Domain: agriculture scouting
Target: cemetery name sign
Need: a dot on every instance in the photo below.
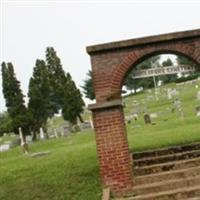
(162, 71)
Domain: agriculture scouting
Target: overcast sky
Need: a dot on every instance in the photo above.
(28, 27)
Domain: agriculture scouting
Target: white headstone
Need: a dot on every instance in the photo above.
(55, 133)
(198, 114)
(23, 142)
(135, 116)
(153, 115)
(62, 132)
(29, 138)
(198, 95)
(172, 93)
(42, 136)
(91, 123)
(4, 147)
(21, 136)
(169, 95)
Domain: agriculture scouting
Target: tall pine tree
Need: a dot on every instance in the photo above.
(56, 76)
(88, 86)
(14, 99)
(72, 101)
(64, 95)
(39, 91)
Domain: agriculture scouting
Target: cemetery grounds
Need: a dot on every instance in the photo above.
(70, 171)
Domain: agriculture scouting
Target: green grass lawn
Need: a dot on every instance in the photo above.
(71, 172)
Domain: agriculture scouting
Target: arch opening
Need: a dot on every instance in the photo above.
(161, 101)
(145, 57)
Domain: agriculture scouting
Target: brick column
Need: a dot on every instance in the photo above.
(112, 146)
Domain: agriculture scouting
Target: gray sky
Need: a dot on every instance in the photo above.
(28, 27)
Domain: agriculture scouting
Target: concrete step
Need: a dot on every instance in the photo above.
(167, 175)
(173, 165)
(166, 185)
(188, 193)
(167, 158)
(166, 151)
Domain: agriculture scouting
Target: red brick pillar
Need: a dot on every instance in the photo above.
(112, 146)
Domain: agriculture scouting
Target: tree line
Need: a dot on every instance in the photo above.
(50, 91)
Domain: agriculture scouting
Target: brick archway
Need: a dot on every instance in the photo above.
(110, 64)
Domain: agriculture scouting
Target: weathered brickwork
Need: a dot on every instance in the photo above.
(112, 148)
(110, 65)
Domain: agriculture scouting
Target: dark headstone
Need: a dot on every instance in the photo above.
(198, 111)
(147, 118)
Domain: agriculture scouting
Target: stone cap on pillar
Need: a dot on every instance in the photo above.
(104, 105)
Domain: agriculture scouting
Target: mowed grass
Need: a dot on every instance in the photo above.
(169, 127)
(71, 172)
(177, 132)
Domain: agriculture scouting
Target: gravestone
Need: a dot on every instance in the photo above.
(4, 147)
(198, 95)
(171, 93)
(147, 118)
(86, 125)
(198, 111)
(149, 91)
(136, 107)
(91, 123)
(176, 105)
(16, 142)
(128, 119)
(29, 138)
(24, 145)
(76, 128)
(150, 98)
(55, 132)
(62, 133)
(153, 115)
(42, 136)
(66, 130)
(135, 116)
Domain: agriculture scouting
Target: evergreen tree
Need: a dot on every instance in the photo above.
(182, 60)
(63, 91)
(56, 76)
(171, 77)
(39, 91)
(72, 101)
(167, 63)
(14, 99)
(5, 123)
(88, 86)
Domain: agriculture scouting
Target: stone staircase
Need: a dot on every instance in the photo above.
(167, 174)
